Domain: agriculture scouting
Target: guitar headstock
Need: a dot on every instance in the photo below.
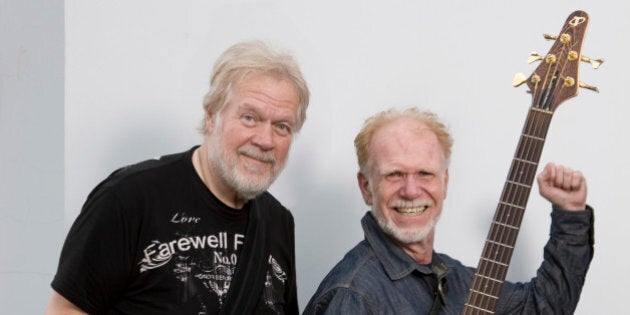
(556, 78)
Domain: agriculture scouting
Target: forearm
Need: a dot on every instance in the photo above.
(59, 305)
(567, 256)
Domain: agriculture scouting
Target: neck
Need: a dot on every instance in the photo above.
(222, 191)
(422, 251)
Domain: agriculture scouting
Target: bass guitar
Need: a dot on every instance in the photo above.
(554, 81)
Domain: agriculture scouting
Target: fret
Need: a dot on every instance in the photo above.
(536, 127)
(492, 251)
(514, 196)
(491, 269)
(547, 92)
(512, 205)
(499, 244)
(528, 154)
(508, 213)
(489, 278)
(485, 294)
(519, 184)
(479, 308)
(506, 225)
(522, 171)
(491, 287)
(526, 161)
(533, 137)
(495, 262)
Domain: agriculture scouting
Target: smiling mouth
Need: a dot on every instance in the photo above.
(258, 159)
(411, 210)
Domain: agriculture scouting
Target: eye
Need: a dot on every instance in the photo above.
(395, 176)
(283, 129)
(248, 119)
(425, 175)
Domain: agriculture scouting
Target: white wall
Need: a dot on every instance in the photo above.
(31, 151)
(136, 72)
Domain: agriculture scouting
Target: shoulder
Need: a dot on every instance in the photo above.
(341, 300)
(354, 268)
(272, 208)
(457, 270)
(140, 174)
(349, 281)
(148, 168)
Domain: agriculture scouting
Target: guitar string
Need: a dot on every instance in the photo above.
(537, 127)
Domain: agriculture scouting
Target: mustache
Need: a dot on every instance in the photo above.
(254, 152)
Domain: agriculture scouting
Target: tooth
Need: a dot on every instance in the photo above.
(414, 210)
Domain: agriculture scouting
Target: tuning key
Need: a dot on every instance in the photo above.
(595, 63)
(534, 56)
(588, 87)
(519, 79)
(550, 37)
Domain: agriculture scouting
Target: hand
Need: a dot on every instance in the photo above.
(563, 187)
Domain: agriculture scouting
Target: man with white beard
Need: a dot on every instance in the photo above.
(197, 232)
(403, 176)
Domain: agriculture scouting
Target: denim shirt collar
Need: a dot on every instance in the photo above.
(396, 263)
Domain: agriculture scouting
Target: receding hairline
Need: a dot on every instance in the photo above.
(363, 140)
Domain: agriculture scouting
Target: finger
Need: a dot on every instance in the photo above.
(547, 175)
(558, 180)
(576, 180)
(568, 179)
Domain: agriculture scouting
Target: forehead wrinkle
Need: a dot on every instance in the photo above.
(257, 94)
(394, 138)
(257, 89)
(257, 84)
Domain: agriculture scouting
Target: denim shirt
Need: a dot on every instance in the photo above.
(378, 277)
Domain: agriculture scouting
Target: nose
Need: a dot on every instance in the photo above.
(410, 189)
(264, 137)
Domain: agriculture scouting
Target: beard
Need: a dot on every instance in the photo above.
(404, 235)
(250, 182)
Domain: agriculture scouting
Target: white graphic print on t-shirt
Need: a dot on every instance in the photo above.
(209, 262)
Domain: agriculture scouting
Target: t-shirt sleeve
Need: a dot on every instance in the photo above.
(97, 256)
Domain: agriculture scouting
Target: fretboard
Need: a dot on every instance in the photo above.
(497, 252)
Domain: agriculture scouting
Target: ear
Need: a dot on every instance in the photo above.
(209, 122)
(364, 185)
(445, 182)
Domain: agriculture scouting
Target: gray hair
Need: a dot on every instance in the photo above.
(253, 57)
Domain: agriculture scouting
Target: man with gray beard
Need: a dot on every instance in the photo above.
(403, 176)
(197, 232)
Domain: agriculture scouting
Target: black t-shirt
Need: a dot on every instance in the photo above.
(152, 239)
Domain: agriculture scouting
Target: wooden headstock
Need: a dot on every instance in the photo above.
(556, 78)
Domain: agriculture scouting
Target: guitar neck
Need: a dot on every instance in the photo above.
(497, 253)
(554, 81)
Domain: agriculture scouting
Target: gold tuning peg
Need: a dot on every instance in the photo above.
(519, 79)
(533, 57)
(588, 87)
(595, 63)
(550, 37)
